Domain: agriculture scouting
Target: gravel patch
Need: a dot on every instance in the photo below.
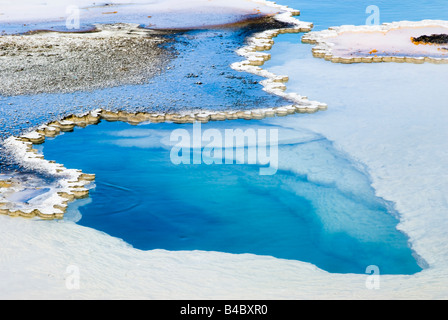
(50, 62)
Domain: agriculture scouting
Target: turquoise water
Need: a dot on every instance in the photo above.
(151, 203)
(327, 13)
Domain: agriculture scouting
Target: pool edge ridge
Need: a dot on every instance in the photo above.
(73, 183)
(255, 58)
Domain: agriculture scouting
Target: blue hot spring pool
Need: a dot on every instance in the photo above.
(303, 212)
(319, 207)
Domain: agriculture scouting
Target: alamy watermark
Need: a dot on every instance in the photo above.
(229, 146)
(373, 280)
(374, 15)
(72, 281)
(73, 21)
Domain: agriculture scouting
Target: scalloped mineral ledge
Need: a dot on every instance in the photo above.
(255, 58)
(389, 42)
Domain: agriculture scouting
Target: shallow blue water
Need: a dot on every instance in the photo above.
(201, 56)
(327, 13)
(151, 203)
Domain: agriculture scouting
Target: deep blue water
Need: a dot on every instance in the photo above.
(151, 203)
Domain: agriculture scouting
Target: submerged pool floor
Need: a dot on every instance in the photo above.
(151, 203)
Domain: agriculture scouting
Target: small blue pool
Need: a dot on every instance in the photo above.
(151, 203)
